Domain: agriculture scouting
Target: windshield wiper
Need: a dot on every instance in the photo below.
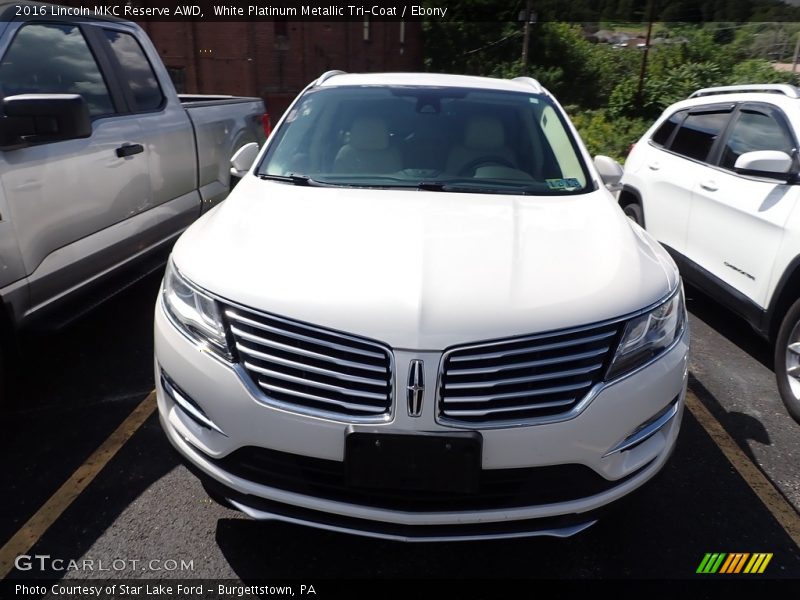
(296, 180)
(433, 186)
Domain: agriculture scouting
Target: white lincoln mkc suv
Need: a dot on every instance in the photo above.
(421, 315)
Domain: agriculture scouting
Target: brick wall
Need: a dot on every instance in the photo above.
(277, 59)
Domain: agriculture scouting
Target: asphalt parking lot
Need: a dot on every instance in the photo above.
(733, 484)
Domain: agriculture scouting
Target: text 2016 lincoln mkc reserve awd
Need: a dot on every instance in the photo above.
(422, 315)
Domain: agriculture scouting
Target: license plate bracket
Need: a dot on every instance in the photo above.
(417, 462)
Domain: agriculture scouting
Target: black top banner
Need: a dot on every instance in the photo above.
(533, 11)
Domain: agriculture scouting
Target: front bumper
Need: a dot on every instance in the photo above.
(620, 440)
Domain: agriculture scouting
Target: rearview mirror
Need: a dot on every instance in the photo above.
(610, 171)
(40, 118)
(244, 159)
(765, 163)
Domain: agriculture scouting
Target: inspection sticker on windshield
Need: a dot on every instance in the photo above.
(568, 184)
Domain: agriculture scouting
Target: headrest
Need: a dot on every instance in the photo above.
(369, 133)
(484, 133)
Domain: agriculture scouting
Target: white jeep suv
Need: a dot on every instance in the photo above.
(715, 181)
(422, 315)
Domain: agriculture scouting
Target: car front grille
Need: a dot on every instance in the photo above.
(309, 369)
(524, 378)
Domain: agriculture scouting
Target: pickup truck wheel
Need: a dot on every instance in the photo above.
(634, 212)
(787, 360)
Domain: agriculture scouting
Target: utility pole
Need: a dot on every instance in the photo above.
(643, 70)
(526, 35)
(796, 52)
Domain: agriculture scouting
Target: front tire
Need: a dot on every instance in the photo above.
(634, 212)
(787, 360)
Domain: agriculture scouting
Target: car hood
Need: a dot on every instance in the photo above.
(425, 270)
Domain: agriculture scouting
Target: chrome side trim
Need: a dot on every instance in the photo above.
(188, 407)
(647, 429)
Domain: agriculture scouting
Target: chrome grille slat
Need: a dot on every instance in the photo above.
(299, 365)
(529, 364)
(522, 394)
(481, 413)
(532, 349)
(300, 336)
(520, 379)
(307, 353)
(310, 369)
(312, 383)
(348, 405)
(532, 378)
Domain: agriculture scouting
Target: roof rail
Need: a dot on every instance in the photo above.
(529, 81)
(327, 75)
(770, 88)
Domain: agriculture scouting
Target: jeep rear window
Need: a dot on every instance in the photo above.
(451, 139)
(664, 132)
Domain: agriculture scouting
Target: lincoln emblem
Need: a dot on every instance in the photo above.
(416, 388)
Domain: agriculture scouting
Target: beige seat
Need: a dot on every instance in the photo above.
(484, 138)
(368, 150)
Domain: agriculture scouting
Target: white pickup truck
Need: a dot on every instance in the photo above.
(102, 164)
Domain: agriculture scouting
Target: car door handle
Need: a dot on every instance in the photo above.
(654, 166)
(709, 186)
(129, 150)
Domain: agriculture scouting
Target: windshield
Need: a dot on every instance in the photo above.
(436, 138)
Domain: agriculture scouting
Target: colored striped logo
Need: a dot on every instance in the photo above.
(736, 562)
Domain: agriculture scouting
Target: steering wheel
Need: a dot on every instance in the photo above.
(472, 166)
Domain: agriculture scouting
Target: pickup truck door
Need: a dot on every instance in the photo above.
(167, 132)
(68, 200)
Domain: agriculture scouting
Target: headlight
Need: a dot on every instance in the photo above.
(194, 313)
(649, 334)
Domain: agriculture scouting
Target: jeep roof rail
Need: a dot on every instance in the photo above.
(770, 88)
(529, 81)
(327, 75)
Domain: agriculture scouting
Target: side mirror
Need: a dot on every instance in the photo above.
(40, 118)
(765, 163)
(244, 159)
(610, 171)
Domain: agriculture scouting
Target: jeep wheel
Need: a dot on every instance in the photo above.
(787, 360)
(634, 212)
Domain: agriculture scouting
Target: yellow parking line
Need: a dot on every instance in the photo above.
(769, 495)
(31, 531)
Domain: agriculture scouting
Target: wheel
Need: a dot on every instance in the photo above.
(787, 360)
(634, 212)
